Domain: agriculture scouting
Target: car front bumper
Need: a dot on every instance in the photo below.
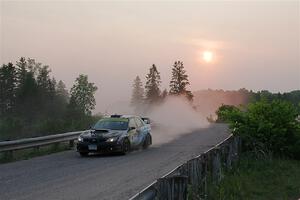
(100, 147)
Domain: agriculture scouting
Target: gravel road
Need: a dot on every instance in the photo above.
(66, 175)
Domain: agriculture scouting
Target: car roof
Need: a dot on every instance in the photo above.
(123, 116)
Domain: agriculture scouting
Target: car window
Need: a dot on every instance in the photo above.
(138, 122)
(132, 123)
(111, 124)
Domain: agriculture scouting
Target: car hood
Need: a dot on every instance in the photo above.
(103, 133)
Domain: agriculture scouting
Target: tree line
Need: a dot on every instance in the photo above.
(34, 103)
(151, 94)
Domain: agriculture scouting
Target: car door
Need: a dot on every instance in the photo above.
(133, 133)
(140, 130)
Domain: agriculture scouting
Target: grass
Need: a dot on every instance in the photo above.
(260, 179)
(26, 154)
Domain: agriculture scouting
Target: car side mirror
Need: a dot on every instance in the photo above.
(131, 128)
(147, 121)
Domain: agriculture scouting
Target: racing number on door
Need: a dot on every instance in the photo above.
(132, 133)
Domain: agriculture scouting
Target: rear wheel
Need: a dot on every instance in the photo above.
(125, 146)
(147, 141)
(84, 154)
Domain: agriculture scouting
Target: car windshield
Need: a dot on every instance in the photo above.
(112, 124)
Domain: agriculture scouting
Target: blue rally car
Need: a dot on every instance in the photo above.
(117, 133)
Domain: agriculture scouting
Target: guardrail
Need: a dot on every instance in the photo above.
(10, 146)
(193, 177)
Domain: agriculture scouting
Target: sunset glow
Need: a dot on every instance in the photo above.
(207, 56)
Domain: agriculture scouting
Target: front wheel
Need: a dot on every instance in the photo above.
(125, 146)
(84, 154)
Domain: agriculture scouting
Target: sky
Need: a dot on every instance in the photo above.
(255, 44)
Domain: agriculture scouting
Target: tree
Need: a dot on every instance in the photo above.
(180, 81)
(82, 95)
(8, 86)
(152, 85)
(21, 70)
(43, 78)
(225, 112)
(137, 98)
(62, 92)
(32, 104)
(28, 97)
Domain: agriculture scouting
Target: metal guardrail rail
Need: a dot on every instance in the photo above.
(195, 174)
(10, 146)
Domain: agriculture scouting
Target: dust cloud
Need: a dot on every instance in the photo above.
(173, 118)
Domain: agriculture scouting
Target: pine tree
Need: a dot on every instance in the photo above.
(180, 81)
(43, 79)
(152, 85)
(137, 98)
(8, 86)
(21, 71)
(28, 103)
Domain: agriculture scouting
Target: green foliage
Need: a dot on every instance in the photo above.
(179, 81)
(32, 104)
(82, 95)
(267, 127)
(225, 112)
(292, 97)
(251, 178)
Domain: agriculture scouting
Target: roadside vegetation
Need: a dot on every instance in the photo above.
(269, 167)
(32, 103)
(256, 178)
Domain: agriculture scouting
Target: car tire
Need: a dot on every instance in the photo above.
(125, 146)
(83, 154)
(147, 141)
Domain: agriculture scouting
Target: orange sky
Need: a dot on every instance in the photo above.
(256, 45)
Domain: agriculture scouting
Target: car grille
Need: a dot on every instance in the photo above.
(94, 140)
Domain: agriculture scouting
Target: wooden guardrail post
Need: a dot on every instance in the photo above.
(229, 155)
(172, 188)
(216, 165)
(204, 159)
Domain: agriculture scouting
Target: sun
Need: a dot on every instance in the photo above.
(207, 56)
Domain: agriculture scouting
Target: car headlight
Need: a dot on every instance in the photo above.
(80, 139)
(113, 139)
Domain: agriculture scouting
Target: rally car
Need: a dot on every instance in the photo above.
(117, 133)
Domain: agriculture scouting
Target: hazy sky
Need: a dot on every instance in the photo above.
(256, 44)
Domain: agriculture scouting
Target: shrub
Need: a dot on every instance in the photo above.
(225, 112)
(267, 127)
